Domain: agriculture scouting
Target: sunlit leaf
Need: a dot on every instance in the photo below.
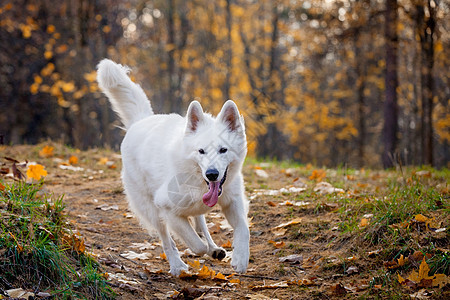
(36, 171)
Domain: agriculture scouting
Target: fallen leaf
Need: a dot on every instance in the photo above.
(277, 244)
(143, 246)
(2, 187)
(19, 294)
(364, 222)
(279, 231)
(292, 222)
(423, 173)
(261, 173)
(133, 255)
(374, 253)
(47, 151)
(270, 203)
(71, 168)
(163, 256)
(281, 284)
(195, 264)
(36, 171)
(318, 175)
(326, 188)
(338, 289)
(108, 207)
(227, 244)
(73, 160)
(401, 261)
(293, 259)
(352, 270)
(122, 278)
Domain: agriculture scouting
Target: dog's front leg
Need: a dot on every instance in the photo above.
(181, 226)
(213, 250)
(235, 213)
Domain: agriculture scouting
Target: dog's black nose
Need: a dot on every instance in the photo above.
(212, 174)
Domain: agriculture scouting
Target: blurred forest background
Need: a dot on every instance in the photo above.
(355, 83)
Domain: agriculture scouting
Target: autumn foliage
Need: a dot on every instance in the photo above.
(307, 75)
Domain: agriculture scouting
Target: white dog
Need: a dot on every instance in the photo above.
(166, 161)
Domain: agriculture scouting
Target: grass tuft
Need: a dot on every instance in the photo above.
(35, 251)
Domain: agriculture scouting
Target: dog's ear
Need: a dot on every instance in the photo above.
(194, 116)
(229, 115)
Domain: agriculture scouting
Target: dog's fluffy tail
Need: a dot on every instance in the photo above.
(127, 98)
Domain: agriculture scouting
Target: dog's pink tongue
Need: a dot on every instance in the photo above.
(211, 197)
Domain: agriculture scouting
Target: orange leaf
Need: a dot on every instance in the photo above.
(195, 264)
(277, 244)
(163, 256)
(270, 203)
(2, 187)
(421, 218)
(103, 161)
(220, 276)
(318, 175)
(36, 171)
(236, 280)
(401, 261)
(364, 222)
(227, 244)
(73, 160)
(47, 151)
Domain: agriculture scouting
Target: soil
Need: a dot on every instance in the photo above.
(97, 209)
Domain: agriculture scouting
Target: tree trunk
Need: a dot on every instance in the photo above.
(391, 81)
(426, 26)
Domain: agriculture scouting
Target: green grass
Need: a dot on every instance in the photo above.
(37, 249)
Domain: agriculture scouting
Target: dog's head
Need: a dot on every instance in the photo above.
(218, 145)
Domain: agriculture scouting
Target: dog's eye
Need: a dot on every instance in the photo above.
(201, 151)
(223, 150)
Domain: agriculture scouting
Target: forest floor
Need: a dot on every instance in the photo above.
(361, 234)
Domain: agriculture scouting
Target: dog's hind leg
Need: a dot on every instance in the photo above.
(213, 250)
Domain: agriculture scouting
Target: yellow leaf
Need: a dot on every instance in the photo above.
(195, 264)
(38, 79)
(36, 171)
(205, 273)
(220, 276)
(73, 160)
(103, 161)
(440, 280)
(424, 269)
(68, 87)
(401, 261)
(318, 175)
(48, 54)
(400, 279)
(277, 244)
(106, 29)
(91, 77)
(51, 28)
(364, 222)
(421, 218)
(236, 280)
(47, 151)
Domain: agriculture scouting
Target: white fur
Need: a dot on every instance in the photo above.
(164, 174)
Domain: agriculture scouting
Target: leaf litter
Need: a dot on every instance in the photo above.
(314, 252)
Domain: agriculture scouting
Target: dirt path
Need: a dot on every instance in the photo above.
(297, 248)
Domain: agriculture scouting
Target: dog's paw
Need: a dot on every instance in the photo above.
(218, 253)
(176, 268)
(239, 263)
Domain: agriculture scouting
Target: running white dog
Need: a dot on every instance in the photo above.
(166, 161)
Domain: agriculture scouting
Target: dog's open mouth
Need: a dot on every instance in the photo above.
(215, 190)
